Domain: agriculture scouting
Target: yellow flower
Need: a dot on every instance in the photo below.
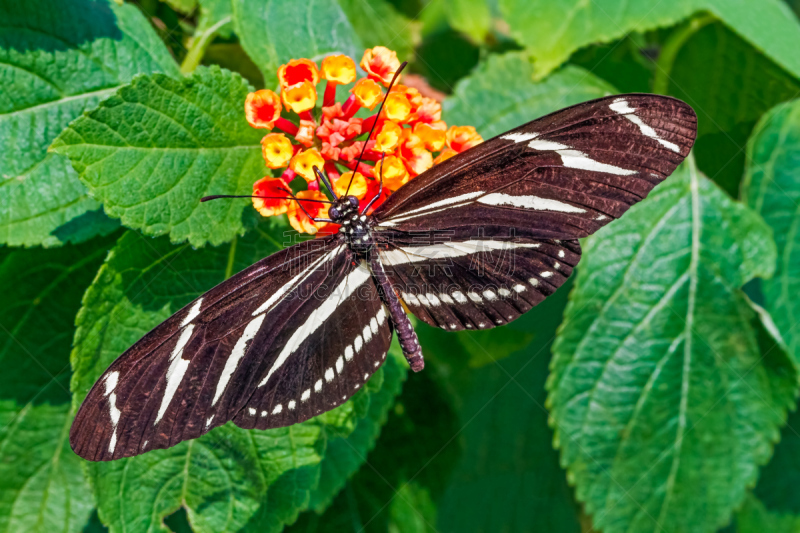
(299, 97)
(304, 162)
(388, 137)
(339, 69)
(297, 71)
(358, 188)
(393, 172)
(380, 64)
(277, 150)
(262, 108)
(397, 107)
(367, 93)
(433, 138)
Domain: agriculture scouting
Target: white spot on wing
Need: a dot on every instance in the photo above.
(546, 274)
(424, 300)
(474, 296)
(278, 409)
(519, 287)
(410, 298)
(329, 375)
(504, 292)
(533, 281)
(561, 253)
(367, 334)
(292, 403)
(459, 296)
(306, 395)
(373, 325)
(318, 385)
(519, 137)
(358, 343)
(252, 411)
(543, 144)
(348, 353)
(339, 364)
(489, 295)
(446, 298)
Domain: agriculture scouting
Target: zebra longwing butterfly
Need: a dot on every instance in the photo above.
(472, 243)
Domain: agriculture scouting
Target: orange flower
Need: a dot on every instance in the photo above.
(304, 162)
(277, 150)
(298, 71)
(380, 64)
(388, 136)
(299, 220)
(358, 188)
(433, 138)
(339, 69)
(305, 133)
(393, 172)
(271, 187)
(461, 138)
(262, 108)
(299, 97)
(414, 154)
(446, 154)
(368, 93)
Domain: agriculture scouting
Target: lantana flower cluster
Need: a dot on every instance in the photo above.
(409, 138)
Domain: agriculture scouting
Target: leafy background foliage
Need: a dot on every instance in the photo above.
(654, 392)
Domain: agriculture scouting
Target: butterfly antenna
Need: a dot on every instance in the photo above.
(358, 163)
(380, 188)
(321, 177)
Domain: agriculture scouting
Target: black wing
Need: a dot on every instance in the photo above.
(260, 334)
(479, 239)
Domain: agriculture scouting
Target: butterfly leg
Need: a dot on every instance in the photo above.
(405, 331)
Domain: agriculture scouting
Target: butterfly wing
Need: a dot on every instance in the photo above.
(199, 368)
(502, 219)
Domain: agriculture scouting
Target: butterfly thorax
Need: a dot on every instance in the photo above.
(356, 228)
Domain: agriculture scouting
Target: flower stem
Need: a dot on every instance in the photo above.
(198, 44)
(672, 46)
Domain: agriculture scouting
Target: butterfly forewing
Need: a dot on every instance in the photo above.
(199, 368)
(482, 237)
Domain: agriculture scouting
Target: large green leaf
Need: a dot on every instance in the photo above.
(272, 33)
(753, 517)
(499, 95)
(42, 486)
(57, 60)
(230, 478)
(772, 188)
(158, 145)
(472, 17)
(667, 391)
(552, 29)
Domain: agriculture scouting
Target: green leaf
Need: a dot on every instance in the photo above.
(42, 292)
(42, 486)
(217, 14)
(152, 150)
(772, 189)
(378, 23)
(53, 68)
(753, 517)
(412, 510)
(499, 95)
(272, 33)
(551, 30)
(182, 6)
(729, 98)
(667, 391)
(229, 479)
(777, 481)
(491, 345)
(472, 17)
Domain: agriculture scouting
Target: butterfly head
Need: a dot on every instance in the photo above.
(343, 209)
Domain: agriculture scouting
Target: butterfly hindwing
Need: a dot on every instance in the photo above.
(199, 368)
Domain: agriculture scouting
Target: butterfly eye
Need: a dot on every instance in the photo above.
(334, 213)
(353, 201)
